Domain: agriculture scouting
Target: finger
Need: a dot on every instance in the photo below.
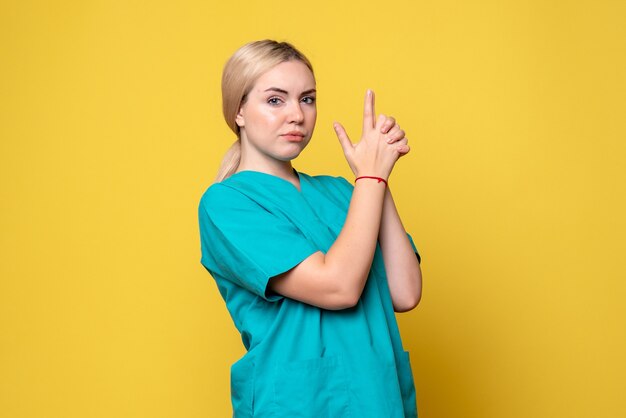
(403, 141)
(394, 128)
(380, 121)
(389, 123)
(369, 117)
(402, 146)
(395, 134)
(344, 141)
(403, 149)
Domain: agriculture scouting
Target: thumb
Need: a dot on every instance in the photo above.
(345, 142)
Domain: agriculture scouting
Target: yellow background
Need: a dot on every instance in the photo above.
(111, 128)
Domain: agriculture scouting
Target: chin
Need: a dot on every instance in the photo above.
(288, 156)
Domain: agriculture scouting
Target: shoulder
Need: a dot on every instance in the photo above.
(221, 199)
(217, 193)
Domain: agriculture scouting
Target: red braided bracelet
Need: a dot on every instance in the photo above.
(375, 178)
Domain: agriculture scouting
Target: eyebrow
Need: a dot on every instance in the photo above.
(276, 89)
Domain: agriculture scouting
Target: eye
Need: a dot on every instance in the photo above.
(274, 101)
(308, 99)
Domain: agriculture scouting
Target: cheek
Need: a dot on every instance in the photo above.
(255, 116)
(313, 116)
(266, 118)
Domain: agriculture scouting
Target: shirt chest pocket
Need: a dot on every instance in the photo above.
(316, 388)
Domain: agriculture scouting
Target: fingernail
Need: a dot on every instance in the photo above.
(369, 92)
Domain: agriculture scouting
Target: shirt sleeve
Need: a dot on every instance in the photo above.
(246, 244)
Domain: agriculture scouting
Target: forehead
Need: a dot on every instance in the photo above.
(289, 75)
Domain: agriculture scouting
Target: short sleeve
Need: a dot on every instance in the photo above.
(245, 243)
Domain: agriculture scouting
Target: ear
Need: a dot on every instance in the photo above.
(239, 119)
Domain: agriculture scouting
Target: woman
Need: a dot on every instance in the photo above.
(298, 259)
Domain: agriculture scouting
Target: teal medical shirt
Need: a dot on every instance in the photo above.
(302, 361)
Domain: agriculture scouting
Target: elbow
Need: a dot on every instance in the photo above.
(409, 298)
(351, 299)
(407, 303)
(346, 296)
(344, 300)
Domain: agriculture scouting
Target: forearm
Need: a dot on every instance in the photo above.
(403, 270)
(349, 259)
(335, 280)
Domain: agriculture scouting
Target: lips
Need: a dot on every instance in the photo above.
(293, 136)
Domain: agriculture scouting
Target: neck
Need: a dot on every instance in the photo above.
(282, 169)
(256, 161)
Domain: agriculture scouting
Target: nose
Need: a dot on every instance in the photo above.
(296, 114)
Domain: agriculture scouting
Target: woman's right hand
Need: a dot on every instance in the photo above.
(382, 143)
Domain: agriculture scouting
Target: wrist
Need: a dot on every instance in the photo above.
(372, 178)
(371, 171)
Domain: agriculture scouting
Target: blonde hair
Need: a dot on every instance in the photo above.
(240, 73)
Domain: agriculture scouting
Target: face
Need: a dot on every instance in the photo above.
(277, 120)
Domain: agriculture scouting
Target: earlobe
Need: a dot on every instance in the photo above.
(239, 119)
